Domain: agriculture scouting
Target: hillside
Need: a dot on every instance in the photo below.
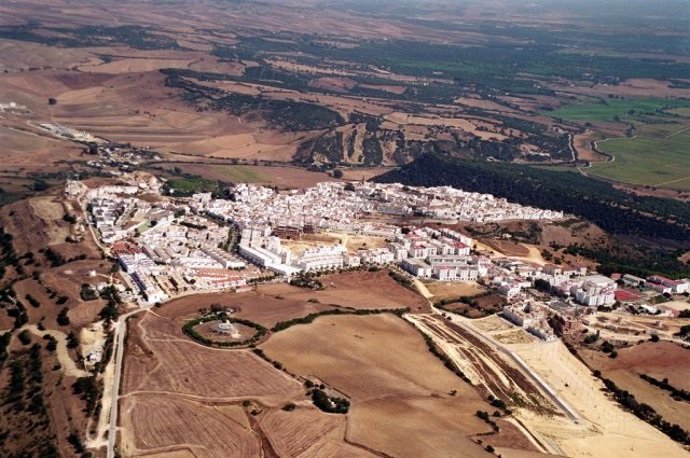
(638, 224)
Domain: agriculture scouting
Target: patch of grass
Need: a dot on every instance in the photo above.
(240, 173)
(608, 109)
(190, 185)
(657, 156)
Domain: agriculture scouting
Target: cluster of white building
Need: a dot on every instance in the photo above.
(329, 206)
(164, 249)
(172, 246)
(531, 315)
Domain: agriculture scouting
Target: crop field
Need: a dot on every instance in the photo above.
(659, 155)
(608, 109)
(403, 381)
(360, 290)
(161, 422)
(266, 306)
(292, 433)
(662, 360)
(282, 177)
(155, 365)
(334, 348)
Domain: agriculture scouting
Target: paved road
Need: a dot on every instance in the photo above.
(119, 341)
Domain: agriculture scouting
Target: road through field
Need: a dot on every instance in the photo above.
(119, 352)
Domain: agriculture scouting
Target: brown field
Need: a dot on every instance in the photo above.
(635, 87)
(355, 343)
(25, 148)
(267, 306)
(583, 146)
(163, 423)
(659, 360)
(363, 173)
(453, 289)
(154, 364)
(507, 247)
(282, 177)
(361, 290)
(404, 382)
(292, 433)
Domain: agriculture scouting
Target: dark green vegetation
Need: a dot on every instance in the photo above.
(189, 326)
(330, 404)
(613, 109)
(492, 67)
(187, 185)
(86, 36)
(23, 400)
(618, 212)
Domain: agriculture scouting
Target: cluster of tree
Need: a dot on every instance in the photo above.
(608, 347)
(614, 210)
(647, 413)
(72, 219)
(189, 326)
(55, 259)
(306, 281)
(401, 279)
(684, 332)
(25, 390)
(75, 440)
(487, 419)
(88, 292)
(676, 393)
(5, 339)
(9, 256)
(18, 312)
(89, 390)
(32, 300)
(330, 404)
(110, 311)
(90, 35)
(261, 354)
(282, 325)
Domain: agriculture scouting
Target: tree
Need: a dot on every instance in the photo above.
(607, 347)
(24, 337)
(62, 318)
(52, 101)
(349, 187)
(337, 173)
(654, 338)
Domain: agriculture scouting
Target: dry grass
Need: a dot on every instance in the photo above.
(660, 360)
(404, 382)
(177, 365)
(159, 422)
(453, 289)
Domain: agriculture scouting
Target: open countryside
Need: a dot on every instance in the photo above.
(658, 155)
(325, 228)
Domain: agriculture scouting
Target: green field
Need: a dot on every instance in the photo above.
(658, 156)
(240, 173)
(608, 109)
(190, 185)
